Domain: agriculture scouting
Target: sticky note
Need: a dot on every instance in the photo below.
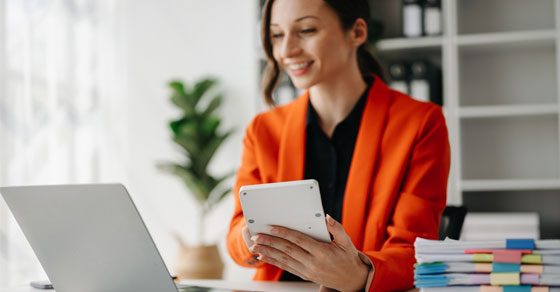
(497, 279)
(517, 289)
(531, 259)
(520, 244)
(507, 256)
(483, 268)
(532, 279)
(490, 289)
(482, 257)
(531, 269)
(506, 268)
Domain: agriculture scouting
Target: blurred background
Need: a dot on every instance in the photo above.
(84, 98)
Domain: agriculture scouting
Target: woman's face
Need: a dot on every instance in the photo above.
(308, 42)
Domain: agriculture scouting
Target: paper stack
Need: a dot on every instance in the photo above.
(511, 265)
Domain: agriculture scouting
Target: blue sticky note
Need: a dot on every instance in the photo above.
(525, 288)
(526, 243)
(506, 268)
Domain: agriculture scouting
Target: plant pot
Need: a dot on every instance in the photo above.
(199, 262)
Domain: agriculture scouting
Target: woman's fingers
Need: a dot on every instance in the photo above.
(340, 237)
(279, 258)
(299, 239)
(247, 237)
(283, 245)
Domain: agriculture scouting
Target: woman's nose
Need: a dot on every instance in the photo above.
(290, 46)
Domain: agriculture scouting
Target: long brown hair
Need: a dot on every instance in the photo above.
(348, 12)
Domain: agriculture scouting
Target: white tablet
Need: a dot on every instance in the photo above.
(295, 205)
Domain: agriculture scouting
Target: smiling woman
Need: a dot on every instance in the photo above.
(380, 157)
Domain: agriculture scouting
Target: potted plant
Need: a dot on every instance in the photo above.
(197, 134)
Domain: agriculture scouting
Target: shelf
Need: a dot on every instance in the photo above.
(478, 16)
(510, 148)
(530, 38)
(507, 110)
(510, 185)
(409, 43)
(507, 74)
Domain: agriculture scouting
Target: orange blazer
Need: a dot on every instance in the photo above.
(396, 188)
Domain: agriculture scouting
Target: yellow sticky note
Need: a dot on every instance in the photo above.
(505, 279)
(531, 258)
(482, 257)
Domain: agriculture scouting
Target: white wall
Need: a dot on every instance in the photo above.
(186, 39)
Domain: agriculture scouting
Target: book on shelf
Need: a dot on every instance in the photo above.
(412, 18)
(432, 18)
(421, 79)
(421, 18)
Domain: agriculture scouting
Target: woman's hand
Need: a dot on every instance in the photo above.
(334, 265)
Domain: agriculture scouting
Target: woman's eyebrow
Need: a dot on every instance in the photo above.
(299, 19)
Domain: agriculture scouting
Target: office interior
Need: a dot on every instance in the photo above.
(85, 98)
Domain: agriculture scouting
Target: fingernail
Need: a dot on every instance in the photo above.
(330, 219)
(259, 257)
(254, 238)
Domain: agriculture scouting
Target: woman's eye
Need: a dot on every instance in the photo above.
(308, 31)
(276, 35)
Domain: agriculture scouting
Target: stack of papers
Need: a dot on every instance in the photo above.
(522, 265)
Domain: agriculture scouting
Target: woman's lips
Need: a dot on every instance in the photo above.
(300, 68)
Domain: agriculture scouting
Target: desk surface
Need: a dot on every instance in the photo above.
(220, 285)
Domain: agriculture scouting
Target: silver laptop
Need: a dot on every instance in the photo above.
(89, 238)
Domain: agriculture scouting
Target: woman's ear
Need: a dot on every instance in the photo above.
(358, 33)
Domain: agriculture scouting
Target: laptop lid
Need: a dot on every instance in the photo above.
(89, 238)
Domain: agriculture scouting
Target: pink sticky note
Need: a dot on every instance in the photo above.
(507, 256)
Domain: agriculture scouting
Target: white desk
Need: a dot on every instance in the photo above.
(218, 284)
(22, 289)
(259, 286)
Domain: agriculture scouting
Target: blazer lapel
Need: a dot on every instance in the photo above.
(362, 167)
(291, 160)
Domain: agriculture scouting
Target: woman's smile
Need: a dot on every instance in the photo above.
(298, 68)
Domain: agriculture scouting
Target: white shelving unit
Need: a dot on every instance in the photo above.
(500, 61)
(501, 89)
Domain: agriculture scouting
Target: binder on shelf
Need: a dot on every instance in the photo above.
(398, 75)
(432, 18)
(412, 18)
(425, 82)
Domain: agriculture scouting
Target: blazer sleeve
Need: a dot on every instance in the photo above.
(418, 208)
(247, 174)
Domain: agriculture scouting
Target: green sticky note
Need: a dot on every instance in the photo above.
(483, 257)
(531, 258)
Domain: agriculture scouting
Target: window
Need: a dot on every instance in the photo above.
(61, 109)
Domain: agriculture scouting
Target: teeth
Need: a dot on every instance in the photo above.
(299, 66)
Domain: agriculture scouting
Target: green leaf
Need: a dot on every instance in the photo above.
(208, 152)
(209, 128)
(213, 105)
(200, 88)
(189, 145)
(179, 97)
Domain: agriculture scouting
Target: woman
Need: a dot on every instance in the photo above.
(381, 158)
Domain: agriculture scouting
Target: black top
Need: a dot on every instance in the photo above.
(328, 160)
